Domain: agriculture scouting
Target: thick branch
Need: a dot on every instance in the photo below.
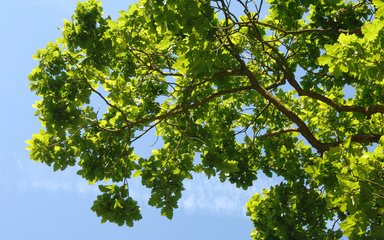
(291, 78)
(293, 32)
(302, 127)
(366, 138)
(368, 111)
(279, 132)
(359, 138)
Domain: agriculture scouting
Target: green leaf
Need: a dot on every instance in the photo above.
(371, 30)
(117, 204)
(379, 5)
(324, 60)
(137, 174)
(176, 171)
(165, 43)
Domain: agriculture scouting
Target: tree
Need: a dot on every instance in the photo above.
(291, 88)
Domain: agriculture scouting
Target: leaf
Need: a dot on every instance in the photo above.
(137, 173)
(381, 141)
(347, 143)
(117, 204)
(343, 207)
(176, 171)
(181, 65)
(324, 60)
(379, 151)
(56, 54)
(165, 43)
(371, 30)
(91, 182)
(167, 212)
(379, 5)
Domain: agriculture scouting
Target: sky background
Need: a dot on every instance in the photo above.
(37, 203)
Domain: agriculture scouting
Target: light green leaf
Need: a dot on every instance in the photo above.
(117, 204)
(372, 29)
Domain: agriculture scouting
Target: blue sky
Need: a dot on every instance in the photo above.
(37, 203)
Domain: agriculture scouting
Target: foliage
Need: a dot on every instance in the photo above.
(291, 88)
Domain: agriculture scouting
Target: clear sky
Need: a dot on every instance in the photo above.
(37, 203)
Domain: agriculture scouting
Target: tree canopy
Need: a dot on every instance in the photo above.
(289, 88)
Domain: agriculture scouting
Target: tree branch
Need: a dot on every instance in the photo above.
(179, 109)
(368, 111)
(358, 138)
(302, 127)
(289, 32)
(279, 132)
(101, 95)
